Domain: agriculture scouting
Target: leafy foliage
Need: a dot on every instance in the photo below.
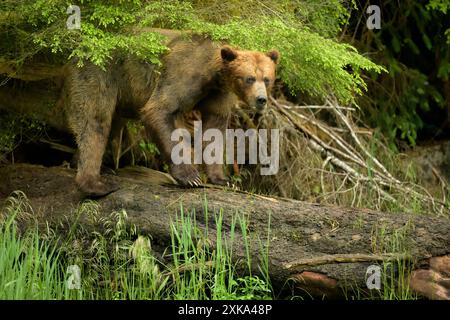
(412, 45)
(312, 61)
(14, 129)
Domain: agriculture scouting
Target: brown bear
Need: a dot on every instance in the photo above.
(195, 74)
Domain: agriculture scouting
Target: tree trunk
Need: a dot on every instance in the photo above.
(324, 250)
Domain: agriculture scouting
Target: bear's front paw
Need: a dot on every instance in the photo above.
(95, 188)
(186, 175)
(221, 181)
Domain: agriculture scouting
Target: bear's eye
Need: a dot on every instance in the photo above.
(266, 81)
(250, 80)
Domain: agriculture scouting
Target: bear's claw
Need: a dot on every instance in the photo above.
(195, 183)
(233, 186)
(186, 175)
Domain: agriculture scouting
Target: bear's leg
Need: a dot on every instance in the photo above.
(215, 111)
(90, 111)
(92, 149)
(159, 120)
(215, 171)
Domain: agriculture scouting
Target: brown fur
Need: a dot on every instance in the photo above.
(196, 74)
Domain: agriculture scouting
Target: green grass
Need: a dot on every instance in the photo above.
(120, 264)
(395, 274)
(29, 268)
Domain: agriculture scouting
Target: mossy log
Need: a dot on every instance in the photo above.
(322, 250)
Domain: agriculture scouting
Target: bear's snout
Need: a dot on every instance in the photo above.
(261, 102)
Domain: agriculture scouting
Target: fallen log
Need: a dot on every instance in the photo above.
(35, 99)
(322, 250)
(31, 71)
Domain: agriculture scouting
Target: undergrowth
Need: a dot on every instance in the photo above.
(119, 263)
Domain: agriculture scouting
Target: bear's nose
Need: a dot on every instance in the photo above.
(261, 101)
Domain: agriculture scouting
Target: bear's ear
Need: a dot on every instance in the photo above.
(228, 54)
(274, 55)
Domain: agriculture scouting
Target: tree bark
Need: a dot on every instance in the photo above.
(320, 249)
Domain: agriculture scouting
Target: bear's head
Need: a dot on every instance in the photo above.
(250, 74)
